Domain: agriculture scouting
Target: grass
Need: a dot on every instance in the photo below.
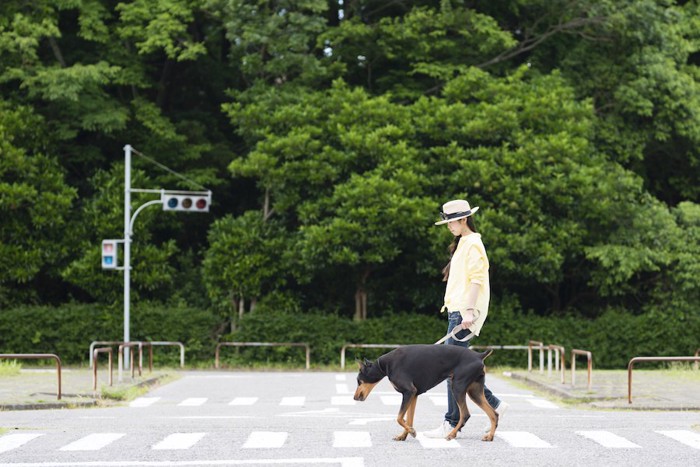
(10, 368)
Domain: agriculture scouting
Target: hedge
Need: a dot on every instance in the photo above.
(68, 330)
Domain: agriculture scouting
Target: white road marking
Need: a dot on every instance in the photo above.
(340, 377)
(436, 443)
(93, 442)
(265, 439)
(439, 400)
(608, 439)
(392, 400)
(351, 439)
(542, 404)
(296, 401)
(178, 441)
(365, 421)
(341, 461)
(342, 388)
(10, 442)
(686, 437)
(342, 400)
(143, 401)
(193, 402)
(522, 439)
(243, 401)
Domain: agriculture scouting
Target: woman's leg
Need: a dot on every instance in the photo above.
(454, 319)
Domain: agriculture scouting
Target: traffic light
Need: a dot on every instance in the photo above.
(109, 254)
(189, 202)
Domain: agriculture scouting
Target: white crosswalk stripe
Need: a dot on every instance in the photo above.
(10, 442)
(179, 441)
(295, 401)
(608, 439)
(143, 401)
(686, 437)
(243, 401)
(265, 439)
(351, 439)
(193, 402)
(542, 404)
(93, 442)
(522, 439)
(343, 400)
(436, 443)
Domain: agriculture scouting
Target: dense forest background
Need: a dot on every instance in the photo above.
(330, 133)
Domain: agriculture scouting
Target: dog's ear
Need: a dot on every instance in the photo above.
(363, 363)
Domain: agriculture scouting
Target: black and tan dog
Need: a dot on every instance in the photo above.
(415, 369)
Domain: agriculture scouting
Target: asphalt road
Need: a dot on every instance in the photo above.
(310, 418)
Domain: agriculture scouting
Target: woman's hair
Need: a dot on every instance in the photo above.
(453, 247)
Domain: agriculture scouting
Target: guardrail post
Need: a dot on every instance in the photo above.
(19, 356)
(589, 357)
(631, 363)
(540, 346)
(108, 351)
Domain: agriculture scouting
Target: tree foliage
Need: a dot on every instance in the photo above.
(331, 133)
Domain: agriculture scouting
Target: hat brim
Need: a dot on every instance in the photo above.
(471, 212)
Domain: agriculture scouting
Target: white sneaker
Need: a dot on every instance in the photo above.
(500, 410)
(440, 432)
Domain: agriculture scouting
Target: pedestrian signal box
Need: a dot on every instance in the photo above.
(109, 254)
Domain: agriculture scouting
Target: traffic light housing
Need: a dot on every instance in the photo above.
(109, 254)
(187, 202)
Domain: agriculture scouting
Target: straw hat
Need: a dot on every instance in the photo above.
(454, 210)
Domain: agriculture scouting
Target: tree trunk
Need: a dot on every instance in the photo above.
(361, 297)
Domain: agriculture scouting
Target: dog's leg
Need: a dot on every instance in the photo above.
(408, 402)
(411, 414)
(476, 393)
(459, 393)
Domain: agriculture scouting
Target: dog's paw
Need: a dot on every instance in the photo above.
(412, 432)
(487, 437)
(401, 437)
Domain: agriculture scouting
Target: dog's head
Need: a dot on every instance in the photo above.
(368, 377)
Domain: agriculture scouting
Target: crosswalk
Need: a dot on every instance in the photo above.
(340, 440)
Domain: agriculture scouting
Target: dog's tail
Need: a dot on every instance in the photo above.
(484, 355)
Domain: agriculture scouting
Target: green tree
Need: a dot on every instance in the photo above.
(34, 207)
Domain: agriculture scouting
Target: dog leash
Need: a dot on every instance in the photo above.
(455, 330)
(453, 335)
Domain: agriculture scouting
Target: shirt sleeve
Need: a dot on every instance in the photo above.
(477, 271)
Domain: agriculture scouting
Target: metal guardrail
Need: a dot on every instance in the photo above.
(120, 353)
(262, 344)
(559, 357)
(540, 346)
(697, 354)
(634, 360)
(35, 356)
(108, 351)
(589, 357)
(364, 346)
(142, 344)
(165, 343)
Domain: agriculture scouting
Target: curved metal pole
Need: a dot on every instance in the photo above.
(141, 208)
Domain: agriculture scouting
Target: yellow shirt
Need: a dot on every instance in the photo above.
(469, 265)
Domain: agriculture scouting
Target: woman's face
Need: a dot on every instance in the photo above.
(456, 227)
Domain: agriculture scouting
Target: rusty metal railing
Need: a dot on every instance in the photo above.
(38, 356)
(589, 357)
(130, 346)
(364, 346)
(530, 346)
(262, 344)
(142, 344)
(634, 360)
(559, 357)
(697, 354)
(164, 343)
(108, 351)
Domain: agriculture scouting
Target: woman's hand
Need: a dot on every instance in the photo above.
(468, 318)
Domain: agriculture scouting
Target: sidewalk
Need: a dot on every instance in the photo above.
(651, 389)
(38, 389)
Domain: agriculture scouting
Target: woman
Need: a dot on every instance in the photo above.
(466, 296)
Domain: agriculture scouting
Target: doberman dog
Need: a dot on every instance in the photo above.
(415, 369)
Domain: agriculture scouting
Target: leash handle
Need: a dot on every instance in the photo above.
(455, 330)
